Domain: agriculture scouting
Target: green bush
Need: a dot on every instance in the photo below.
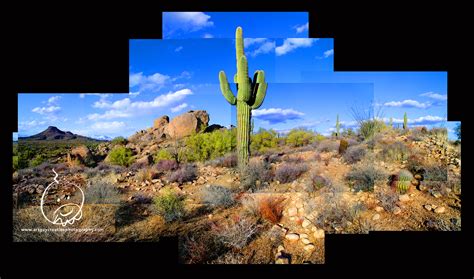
(263, 140)
(369, 128)
(163, 154)
(209, 146)
(170, 205)
(119, 141)
(121, 156)
(300, 137)
(37, 160)
(15, 163)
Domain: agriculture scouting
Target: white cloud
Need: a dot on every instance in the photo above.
(262, 45)
(436, 96)
(422, 120)
(155, 81)
(291, 44)
(46, 110)
(53, 100)
(208, 36)
(25, 125)
(408, 104)
(329, 52)
(178, 49)
(126, 108)
(186, 21)
(101, 95)
(179, 107)
(277, 115)
(134, 94)
(108, 127)
(302, 28)
(264, 48)
(251, 41)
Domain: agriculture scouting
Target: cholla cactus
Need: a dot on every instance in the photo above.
(250, 95)
(404, 180)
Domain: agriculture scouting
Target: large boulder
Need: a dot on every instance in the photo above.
(187, 123)
(80, 155)
(161, 122)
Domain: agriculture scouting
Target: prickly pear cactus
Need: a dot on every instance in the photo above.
(250, 95)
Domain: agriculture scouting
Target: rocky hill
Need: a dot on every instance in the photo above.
(53, 133)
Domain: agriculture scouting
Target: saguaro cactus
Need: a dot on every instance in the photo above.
(405, 121)
(338, 126)
(250, 95)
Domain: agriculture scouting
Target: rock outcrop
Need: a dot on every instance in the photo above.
(188, 123)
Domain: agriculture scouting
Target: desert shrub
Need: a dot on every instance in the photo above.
(253, 172)
(15, 163)
(140, 198)
(166, 165)
(146, 174)
(415, 163)
(103, 167)
(436, 172)
(200, 246)
(37, 160)
(230, 257)
(335, 211)
(163, 154)
(440, 134)
(263, 140)
(217, 196)
(457, 131)
(370, 128)
(286, 173)
(354, 154)
(118, 141)
(121, 156)
(396, 151)
(328, 146)
(250, 205)
(388, 198)
(292, 159)
(170, 205)
(205, 146)
(343, 145)
(363, 176)
(185, 173)
(228, 161)
(101, 193)
(417, 134)
(434, 223)
(299, 137)
(317, 181)
(238, 233)
(271, 208)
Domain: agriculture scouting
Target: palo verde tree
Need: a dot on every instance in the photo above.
(250, 95)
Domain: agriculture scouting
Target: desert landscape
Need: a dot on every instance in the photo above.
(238, 194)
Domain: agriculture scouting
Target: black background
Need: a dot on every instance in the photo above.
(81, 49)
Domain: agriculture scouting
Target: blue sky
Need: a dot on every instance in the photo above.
(181, 25)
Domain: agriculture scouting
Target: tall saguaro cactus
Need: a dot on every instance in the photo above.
(250, 95)
(405, 121)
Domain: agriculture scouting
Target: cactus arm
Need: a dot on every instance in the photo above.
(239, 44)
(225, 89)
(261, 86)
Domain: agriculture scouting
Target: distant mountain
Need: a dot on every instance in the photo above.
(53, 133)
(105, 138)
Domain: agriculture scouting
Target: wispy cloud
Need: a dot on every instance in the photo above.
(291, 44)
(26, 125)
(208, 36)
(435, 96)
(277, 115)
(408, 104)
(422, 120)
(101, 95)
(53, 100)
(301, 28)
(185, 21)
(46, 110)
(178, 49)
(329, 52)
(108, 127)
(179, 107)
(125, 108)
(261, 46)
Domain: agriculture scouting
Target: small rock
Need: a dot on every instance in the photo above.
(305, 240)
(418, 177)
(305, 223)
(427, 207)
(397, 210)
(436, 194)
(421, 187)
(379, 209)
(415, 182)
(299, 205)
(404, 198)
(292, 236)
(440, 210)
(280, 248)
(282, 260)
(318, 234)
(303, 235)
(209, 216)
(292, 211)
(376, 217)
(309, 247)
